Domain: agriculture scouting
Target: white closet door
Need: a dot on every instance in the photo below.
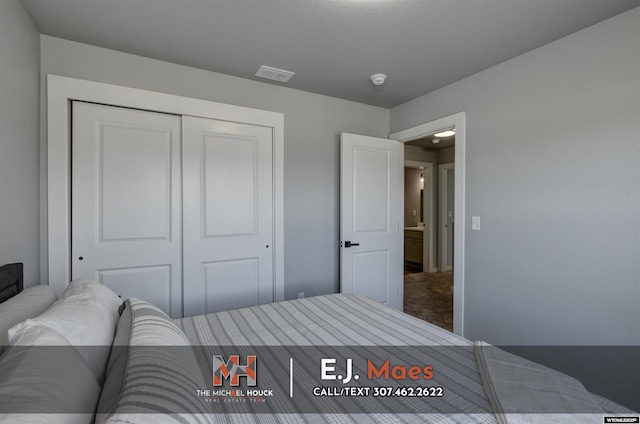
(228, 215)
(126, 202)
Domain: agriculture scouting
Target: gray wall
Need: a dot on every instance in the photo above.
(553, 157)
(419, 153)
(311, 143)
(447, 155)
(19, 164)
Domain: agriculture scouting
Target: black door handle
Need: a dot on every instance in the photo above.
(349, 244)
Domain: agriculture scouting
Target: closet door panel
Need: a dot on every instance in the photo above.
(135, 183)
(151, 282)
(126, 202)
(230, 185)
(242, 293)
(228, 215)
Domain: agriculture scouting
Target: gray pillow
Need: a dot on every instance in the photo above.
(152, 374)
(45, 380)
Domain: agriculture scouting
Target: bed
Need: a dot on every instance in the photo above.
(92, 357)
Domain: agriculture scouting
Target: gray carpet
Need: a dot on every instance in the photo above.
(428, 296)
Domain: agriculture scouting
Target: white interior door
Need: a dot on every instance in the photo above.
(370, 192)
(126, 202)
(228, 215)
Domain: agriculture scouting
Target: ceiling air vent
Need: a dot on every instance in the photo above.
(274, 74)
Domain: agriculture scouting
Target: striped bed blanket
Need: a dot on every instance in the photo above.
(409, 370)
(327, 359)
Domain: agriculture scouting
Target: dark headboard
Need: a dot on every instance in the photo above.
(10, 281)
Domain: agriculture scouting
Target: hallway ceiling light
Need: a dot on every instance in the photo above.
(435, 141)
(447, 133)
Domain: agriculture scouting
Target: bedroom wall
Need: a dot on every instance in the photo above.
(19, 145)
(311, 143)
(553, 154)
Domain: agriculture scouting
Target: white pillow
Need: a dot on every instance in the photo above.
(29, 303)
(39, 336)
(45, 384)
(86, 315)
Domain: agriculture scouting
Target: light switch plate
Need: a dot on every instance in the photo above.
(475, 223)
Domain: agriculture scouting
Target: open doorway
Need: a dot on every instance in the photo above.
(429, 199)
(425, 133)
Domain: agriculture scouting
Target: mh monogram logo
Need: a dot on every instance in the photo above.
(232, 370)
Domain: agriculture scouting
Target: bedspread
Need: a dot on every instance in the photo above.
(350, 326)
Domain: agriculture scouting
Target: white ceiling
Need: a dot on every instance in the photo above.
(332, 45)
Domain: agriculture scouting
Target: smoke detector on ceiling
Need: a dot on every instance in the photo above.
(274, 74)
(378, 79)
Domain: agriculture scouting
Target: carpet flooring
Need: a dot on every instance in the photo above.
(428, 296)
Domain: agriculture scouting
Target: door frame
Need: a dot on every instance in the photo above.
(429, 239)
(443, 201)
(456, 121)
(62, 90)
